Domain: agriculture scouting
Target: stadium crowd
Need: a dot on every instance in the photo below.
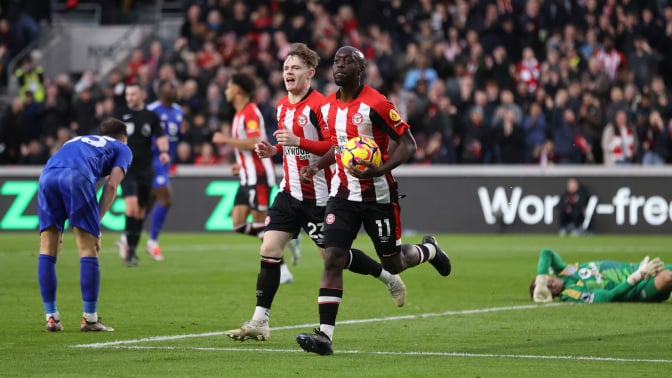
(480, 82)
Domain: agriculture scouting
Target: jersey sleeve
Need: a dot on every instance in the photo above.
(252, 124)
(124, 157)
(550, 262)
(157, 129)
(579, 293)
(386, 116)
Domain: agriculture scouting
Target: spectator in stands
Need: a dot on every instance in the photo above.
(30, 78)
(83, 113)
(619, 141)
(31, 115)
(655, 140)
(591, 121)
(508, 139)
(534, 127)
(194, 28)
(55, 112)
(420, 71)
(183, 154)
(4, 51)
(569, 143)
(207, 157)
(12, 128)
(136, 61)
(33, 153)
(528, 70)
(475, 139)
(156, 59)
(197, 132)
(610, 58)
(660, 96)
(643, 61)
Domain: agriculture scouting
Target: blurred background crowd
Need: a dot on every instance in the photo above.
(480, 82)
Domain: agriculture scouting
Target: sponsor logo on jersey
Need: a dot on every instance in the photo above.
(357, 119)
(330, 218)
(302, 120)
(296, 151)
(252, 125)
(394, 116)
(130, 128)
(587, 297)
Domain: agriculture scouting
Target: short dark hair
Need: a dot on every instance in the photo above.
(113, 127)
(245, 82)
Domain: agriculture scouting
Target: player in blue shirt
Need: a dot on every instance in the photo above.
(67, 191)
(172, 118)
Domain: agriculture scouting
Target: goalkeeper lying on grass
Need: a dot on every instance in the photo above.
(600, 281)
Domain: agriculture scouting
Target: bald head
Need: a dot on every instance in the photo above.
(356, 54)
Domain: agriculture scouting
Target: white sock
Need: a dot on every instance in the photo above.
(327, 330)
(432, 251)
(384, 276)
(91, 317)
(261, 314)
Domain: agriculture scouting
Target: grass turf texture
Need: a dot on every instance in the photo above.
(477, 322)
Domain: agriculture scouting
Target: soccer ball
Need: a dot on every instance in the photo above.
(361, 149)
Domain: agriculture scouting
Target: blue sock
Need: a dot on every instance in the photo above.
(89, 281)
(46, 276)
(158, 218)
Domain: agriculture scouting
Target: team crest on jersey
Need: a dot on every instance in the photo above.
(146, 130)
(330, 218)
(252, 125)
(357, 119)
(302, 120)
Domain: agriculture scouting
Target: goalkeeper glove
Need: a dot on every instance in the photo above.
(647, 269)
(541, 292)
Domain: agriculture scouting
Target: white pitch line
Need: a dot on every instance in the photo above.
(424, 354)
(354, 321)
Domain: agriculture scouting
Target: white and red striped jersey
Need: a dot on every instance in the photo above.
(611, 61)
(248, 123)
(368, 114)
(529, 72)
(303, 119)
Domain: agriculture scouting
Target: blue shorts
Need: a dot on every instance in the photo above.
(64, 193)
(161, 175)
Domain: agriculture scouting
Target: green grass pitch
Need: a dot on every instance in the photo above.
(479, 322)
